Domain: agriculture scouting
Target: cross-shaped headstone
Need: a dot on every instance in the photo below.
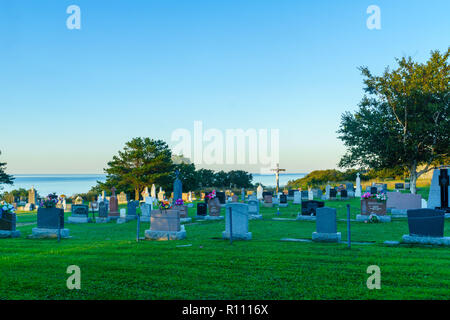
(277, 171)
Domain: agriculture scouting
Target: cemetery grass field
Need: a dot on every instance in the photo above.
(203, 266)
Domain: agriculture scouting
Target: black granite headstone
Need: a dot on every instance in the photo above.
(283, 198)
(7, 221)
(344, 194)
(399, 186)
(444, 183)
(80, 210)
(426, 222)
(333, 193)
(309, 207)
(50, 218)
(201, 209)
(103, 210)
(221, 196)
(373, 190)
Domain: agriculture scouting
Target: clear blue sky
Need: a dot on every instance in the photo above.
(70, 99)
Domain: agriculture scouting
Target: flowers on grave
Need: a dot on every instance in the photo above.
(6, 207)
(211, 195)
(373, 218)
(379, 196)
(179, 202)
(164, 205)
(50, 201)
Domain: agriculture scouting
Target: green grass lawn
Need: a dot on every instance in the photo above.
(114, 266)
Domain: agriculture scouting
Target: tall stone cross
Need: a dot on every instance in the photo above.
(444, 183)
(277, 175)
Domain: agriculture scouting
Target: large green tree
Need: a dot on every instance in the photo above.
(142, 162)
(403, 121)
(4, 177)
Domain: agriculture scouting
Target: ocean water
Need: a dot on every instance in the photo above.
(70, 184)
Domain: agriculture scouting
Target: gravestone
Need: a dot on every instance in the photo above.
(122, 198)
(309, 207)
(153, 191)
(344, 194)
(165, 225)
(130, 213)
(253, 210)
(29, 207)
(78, 200)
(358, 189)
(113, 205)
(399, 203)
(327, 192)
(317, 193)
(310, 194)
(291, 194)
(177, 188)
(373, 190)
(268, 201)
(349, 187)
(283, 201)
(399, 186)
(438, 197)
(221, 196)
(234, 198)
(80, 214)
(161, 195)
(239, 223)
(50, 222)
(333, 194)
(144, 193)
(145, 212)
(242, 195)
(259, 193)
(426, 226)
(297, 197)
(202, 209)
(102, 213)
(304, 194)
(326, 226)
(8, 224)
(32, 196)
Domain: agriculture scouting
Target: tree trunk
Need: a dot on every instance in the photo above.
(136, 194)
(413, 175)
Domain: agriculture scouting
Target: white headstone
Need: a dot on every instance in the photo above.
(123, 213)
(358, 186)
(310, 194)
(259, 192)
(297, 197)
(153, 192)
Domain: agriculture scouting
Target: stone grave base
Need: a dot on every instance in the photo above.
(79, 220)
(126, 219)
(283, 205)
(240, 236)
(9, 234)
(209, 217)
(183, 220)
(165, 235)
(326, 237)
(255, 217)
(297, 202)
(190, 205)
(399, 213)
(113, 217)
(145, 218)
(102, 219)
(41, 233)
(306, 218)
(444, 241)
(268, 205)
(362, 218)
